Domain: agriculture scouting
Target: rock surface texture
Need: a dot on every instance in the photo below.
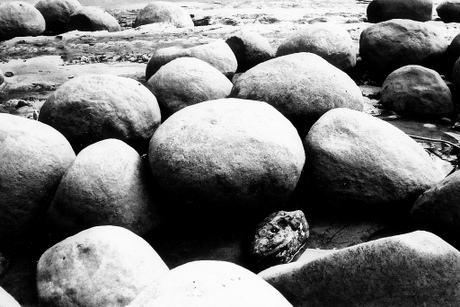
(100, 266)
(413, 269)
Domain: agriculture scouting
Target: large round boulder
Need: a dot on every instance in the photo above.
(355, 160)
(89, 18)
(437, 209)
(90, 108)
(20, 18)
(302, 86)
(210, 283)
(107, 184)
(456, 73)
(57, 13)
(449, 11)
(100, 266)
(35, 156)
(389, 45)
(226, 158)
(331, 42)
(162, 11)
(413, 269)
(218, 54)
(417, 91)
(250, 49)
(186, 81)
(383, 10)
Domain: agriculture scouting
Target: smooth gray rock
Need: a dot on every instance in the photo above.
(20, 18)
(57, 13)
(383, 10)
(6, 300)
(90, 108)
(355, 161)
(331, 42)
(413, 269)
(389, 45)
(100, 266)
(187, 81)
(162, 11)
(210, 283)
(107, 184)
(89, 18)
(417, 91)
(302, 86)
(35, 156)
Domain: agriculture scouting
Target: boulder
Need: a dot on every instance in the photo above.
(218, 54)
(57, 13)
(355, 160)
(90, 108)
(186, 81)
(226, 159)
(2, 77)
(162, 11)
(449, 10)
(413, 269)
(35, 156)
(100, 266)
(389, 45)
(331, 42)
(383, 10)
(20, 18)
(417, 91)
(105, 185)
(250, 49)
(302, 86)
(89, 18)
(6, 300)
(210, 283)
(456, 74)
(437, 209)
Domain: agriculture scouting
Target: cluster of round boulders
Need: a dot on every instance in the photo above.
(162, 11)
(250, 49)
(227, 156)
(105, 185)
(355, 159)
(302, 86)
(417, 91)
(100, 266)
(88, 18)
(389, 45)
(333, 43)
(90, 108)
(449, 11)
(35, 156)
(187, 81)
(218, 54)
(57, 13)
(20, 19)
(412, 269)
(383, 10)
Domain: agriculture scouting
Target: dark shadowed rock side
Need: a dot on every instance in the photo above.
(449, 11)
(20, 19)
(57, 13)
(88, 18)
(382, 10)
(413, 269)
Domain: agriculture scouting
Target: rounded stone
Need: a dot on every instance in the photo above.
(89, 18)
(456, 73)
(90, 108)
(358, 162)
(389, 45)
(35, 156)
(20, 18)
(383, 10)
(417, 91)
(162, 11)
(57, 13)
(302, 86)
(250, 49)
(187, 81)
(210, 283)
(227, 157)
(107, 184)
(449, 10)
(333, 43)
(100, 266)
